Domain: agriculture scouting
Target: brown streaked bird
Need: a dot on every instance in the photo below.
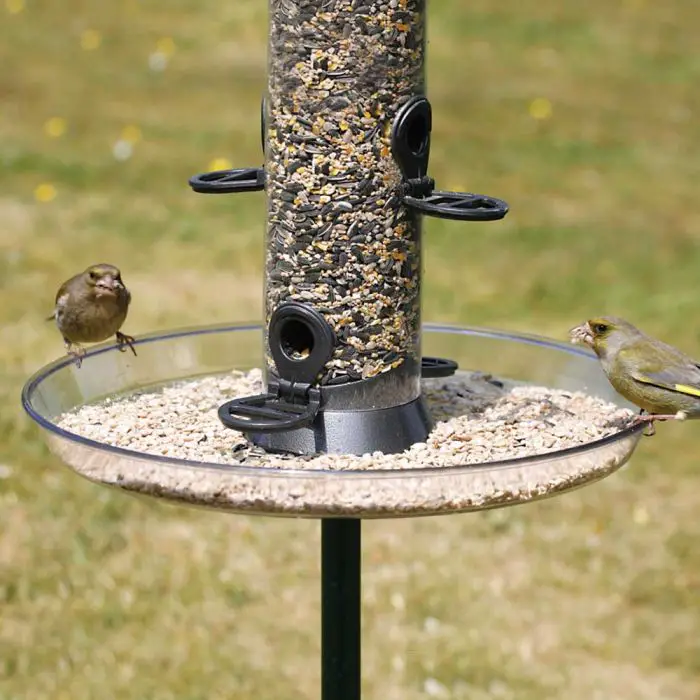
(91, 307)
(656, 377)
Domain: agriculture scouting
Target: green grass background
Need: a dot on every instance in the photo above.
(591, 596)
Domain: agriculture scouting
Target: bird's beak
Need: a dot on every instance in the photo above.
(110, 283)
(582, 335)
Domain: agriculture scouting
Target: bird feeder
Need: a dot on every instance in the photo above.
(346, 135)
(346, 130)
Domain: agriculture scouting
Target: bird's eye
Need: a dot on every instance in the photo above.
(93, 275)
(600, 328)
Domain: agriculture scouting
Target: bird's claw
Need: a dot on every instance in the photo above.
(76, 351)
(651, 418)
(642, 419)
(123, 340)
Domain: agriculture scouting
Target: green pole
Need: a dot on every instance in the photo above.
(340, 608)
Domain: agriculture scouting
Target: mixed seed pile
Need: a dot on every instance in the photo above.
(337, 236)
(479, 419)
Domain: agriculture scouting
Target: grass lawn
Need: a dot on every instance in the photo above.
(583, 116)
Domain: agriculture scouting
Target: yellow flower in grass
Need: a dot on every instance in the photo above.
(540, 108)
(45, 192)
(90, 40)
(14, 7)
(166, 46)
(55, 127)
(131, 133)
(220, 164)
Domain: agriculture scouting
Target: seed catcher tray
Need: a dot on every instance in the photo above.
(533, 418)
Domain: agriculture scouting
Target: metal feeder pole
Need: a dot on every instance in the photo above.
(341, 614)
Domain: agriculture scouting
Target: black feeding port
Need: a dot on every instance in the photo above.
(300, 342)
(296, 340)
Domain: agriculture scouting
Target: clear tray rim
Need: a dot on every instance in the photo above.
(280, 472)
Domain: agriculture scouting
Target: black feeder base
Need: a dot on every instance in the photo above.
(388, 430)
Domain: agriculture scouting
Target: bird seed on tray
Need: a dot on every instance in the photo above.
(479, 419)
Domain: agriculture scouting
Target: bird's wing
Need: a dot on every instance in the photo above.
(684, 379)
(64, 291)
(61, 300)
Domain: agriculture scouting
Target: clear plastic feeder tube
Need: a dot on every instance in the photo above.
(338, 237)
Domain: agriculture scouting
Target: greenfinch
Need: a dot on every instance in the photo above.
(91, 307)
(656, 377)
